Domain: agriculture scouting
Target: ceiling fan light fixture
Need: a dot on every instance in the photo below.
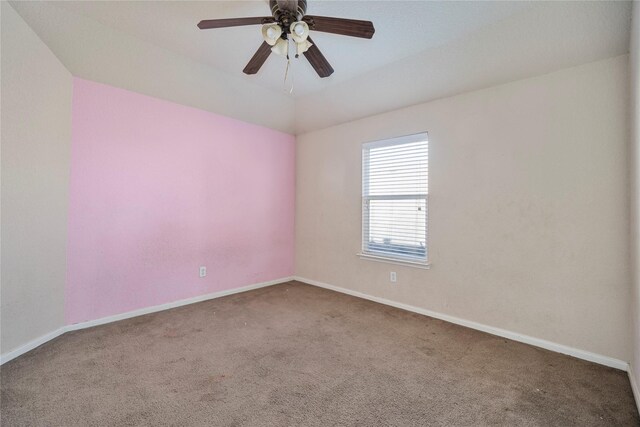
(281, 47)
(299, 31)
(302, 47)
(271, 33)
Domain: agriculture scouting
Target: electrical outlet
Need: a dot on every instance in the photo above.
(203, 271)
(393, 277)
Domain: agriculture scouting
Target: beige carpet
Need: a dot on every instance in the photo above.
(293, 354)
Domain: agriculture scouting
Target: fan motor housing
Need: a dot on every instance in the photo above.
(287, 12)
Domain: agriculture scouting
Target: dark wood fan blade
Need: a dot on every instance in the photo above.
(318, 61)
(258, 59)
(345, 27)
(233, 22)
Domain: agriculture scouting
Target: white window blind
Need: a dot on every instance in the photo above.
(395, 190)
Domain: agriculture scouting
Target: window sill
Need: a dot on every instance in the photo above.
(415, 264)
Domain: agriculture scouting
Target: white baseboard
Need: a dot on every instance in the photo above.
(5, 357)
(558, 348)
(634, 386)
(174, 304)
(88, 324)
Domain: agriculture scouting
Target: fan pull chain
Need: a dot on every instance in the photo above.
(286, 72)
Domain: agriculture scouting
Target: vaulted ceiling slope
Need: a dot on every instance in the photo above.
(422, 50)
(94, 51)
(547, 37)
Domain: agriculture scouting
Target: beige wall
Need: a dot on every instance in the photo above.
(634, 67)
(36, 136)
(529, 213)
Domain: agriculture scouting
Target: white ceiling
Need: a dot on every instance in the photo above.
(547, 37)
(421, 50)
(403, 28)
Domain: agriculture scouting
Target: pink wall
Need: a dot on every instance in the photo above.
(158, 189)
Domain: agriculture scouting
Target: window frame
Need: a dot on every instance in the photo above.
(381, 255)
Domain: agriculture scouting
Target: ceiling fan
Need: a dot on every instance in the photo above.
(289, 21)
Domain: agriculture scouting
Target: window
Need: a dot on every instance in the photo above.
(395, 198)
